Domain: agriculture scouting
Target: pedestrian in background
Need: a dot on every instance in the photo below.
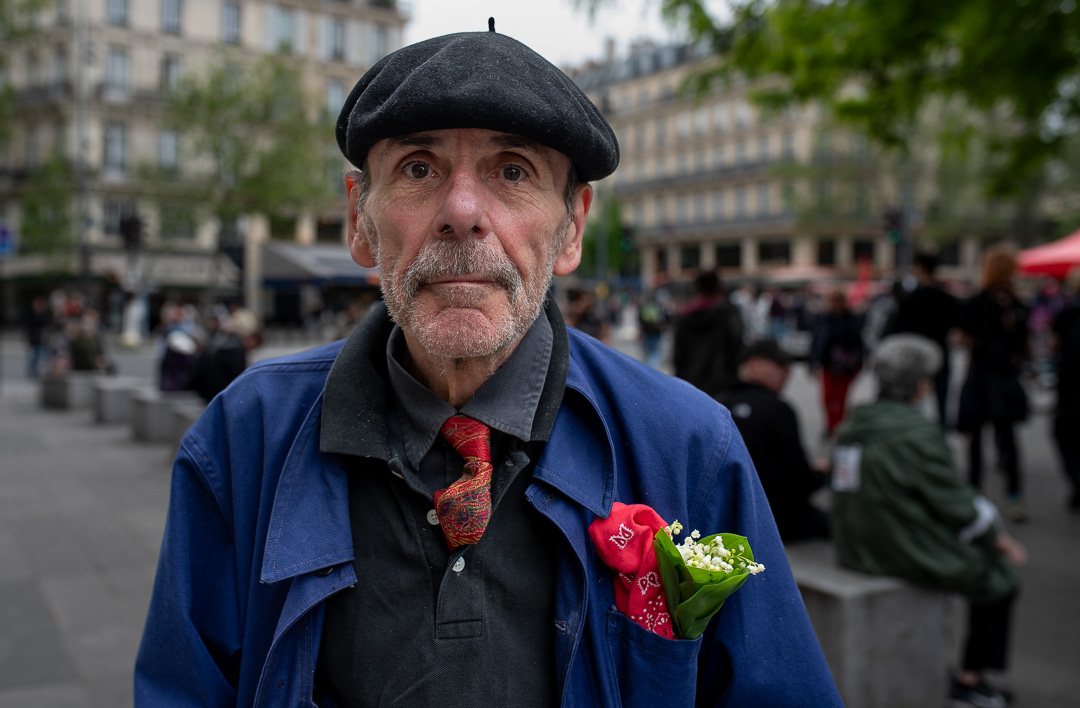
(900, 509)
(933, 313)
(36, 323)
(1066, 330)
(770, 429)
(995, 327)
(837, 353)
(708, 337)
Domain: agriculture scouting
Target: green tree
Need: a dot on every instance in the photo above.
(46, 223)
(251, 129)
(16, 22)
(606, 225)
(1011, 66)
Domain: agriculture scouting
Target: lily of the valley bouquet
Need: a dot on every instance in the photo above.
(670, 589)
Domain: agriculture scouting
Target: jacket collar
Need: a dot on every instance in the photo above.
(309, 526)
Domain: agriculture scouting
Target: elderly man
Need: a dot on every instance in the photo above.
(324, 546)
(900, 509)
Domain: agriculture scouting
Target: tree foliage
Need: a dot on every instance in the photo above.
(1012, 65)
(16, 22)
(250, 139)
(46, 223)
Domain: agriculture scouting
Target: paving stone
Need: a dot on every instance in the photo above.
(31, 649)
(54, 695)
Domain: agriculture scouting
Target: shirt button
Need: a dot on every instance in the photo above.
(459, 565)
(433, 518)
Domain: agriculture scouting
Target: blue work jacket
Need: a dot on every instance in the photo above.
(258, 537)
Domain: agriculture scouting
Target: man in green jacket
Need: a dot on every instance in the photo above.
(900, 509)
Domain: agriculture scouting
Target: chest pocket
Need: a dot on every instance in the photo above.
(650, 669)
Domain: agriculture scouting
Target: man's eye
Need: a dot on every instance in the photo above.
(417, 170)
(513, 173)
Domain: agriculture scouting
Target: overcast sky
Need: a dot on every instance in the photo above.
(561, 34)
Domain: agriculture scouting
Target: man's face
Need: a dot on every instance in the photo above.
(467, 227)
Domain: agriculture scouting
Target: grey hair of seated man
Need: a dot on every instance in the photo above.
(901, 361)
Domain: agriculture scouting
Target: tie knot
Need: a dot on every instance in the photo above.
(469, 437)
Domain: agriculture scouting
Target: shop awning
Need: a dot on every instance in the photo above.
(1055, 259)
(286, 265)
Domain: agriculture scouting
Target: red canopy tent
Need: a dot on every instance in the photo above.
(1055, 259)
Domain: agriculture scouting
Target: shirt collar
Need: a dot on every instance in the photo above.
(506, 402)
(358, 389)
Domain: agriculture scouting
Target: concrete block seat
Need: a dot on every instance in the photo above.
(68, 390)
(184, 414)
(152, 413)
(887, 642)
(112, 398)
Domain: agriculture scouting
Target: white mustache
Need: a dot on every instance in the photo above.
(459, 258)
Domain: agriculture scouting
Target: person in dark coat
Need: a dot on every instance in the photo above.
(995, 327)
(770, 430)
(1066, 329)
(837, 352)
(708, 337)
(931, 312)
(37, 321)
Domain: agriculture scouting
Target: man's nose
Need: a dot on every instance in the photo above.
(464, 210)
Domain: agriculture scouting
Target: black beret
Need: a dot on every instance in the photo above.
(476, 80)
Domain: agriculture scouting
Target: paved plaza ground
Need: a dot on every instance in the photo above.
(82, 507)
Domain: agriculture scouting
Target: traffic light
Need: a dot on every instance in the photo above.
(626, 238)
(893, 222)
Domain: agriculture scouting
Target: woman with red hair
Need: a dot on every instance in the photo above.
(995, 325)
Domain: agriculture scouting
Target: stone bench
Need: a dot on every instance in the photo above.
(112, 398)
(152, 414)
(69, 390)
(887, 642)
(184, 415)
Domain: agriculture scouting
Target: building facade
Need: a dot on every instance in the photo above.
(89, 83)
(709, 181)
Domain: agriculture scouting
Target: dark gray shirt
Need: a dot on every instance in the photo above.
(425, 625)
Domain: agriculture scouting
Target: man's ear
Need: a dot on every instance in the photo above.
(359, 246)
(570, 255)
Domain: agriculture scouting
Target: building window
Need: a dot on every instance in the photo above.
(718, 206)
(701, 120)
(763, 150)
(718, 157)
(661, 211)
(740, 203)
(774, 253)
(33, 70)
(763, 199)
(720, 117)
(116, 12)
(682, 212)
(729, 255)
(661, 132)
(681, 165)
(689, 257)
(114, 212)
(60, 66)
(862, 200)
(177, 221)
(862, 249)
(826, 252)
(742, 114)
(33, 147)
(335, 97)
(63, 12)
(788, 149)
(699, 208)
(117, 70)
(171, 11)
(378, 43)
(639, 214)
(59, 138)
(282, 29)
(639, 136)
(171, 67)
(334, 39)
(699, 162)
(168, 150)
(115, 147)
(682, 126)
(741, 157)
(230, 23)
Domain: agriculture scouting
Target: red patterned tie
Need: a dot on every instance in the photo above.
(464, 507)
